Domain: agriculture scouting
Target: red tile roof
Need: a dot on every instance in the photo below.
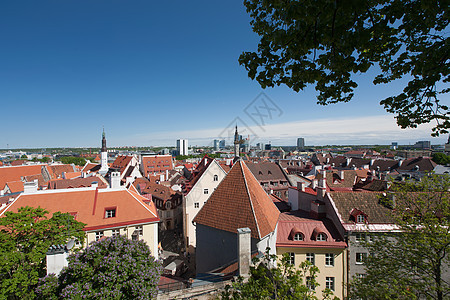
(15, 186)
(76, 183)
(156, 164)
(298, 221)
(121, 163)
(18, 162)
(89, 206)
(71, 175)
(56, 171)
(240, 201)
(16, 173)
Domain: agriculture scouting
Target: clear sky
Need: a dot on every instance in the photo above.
(154, 71)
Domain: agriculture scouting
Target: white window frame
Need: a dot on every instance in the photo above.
(360, 257)
(98, 235)
(140, 230)
(329, 259)
(360, 237)
(110, 213)
(292, 258)
(329, 283)
(311, 257)
(321, 237)
(298, 237)
(196, 205)
(360, 218)
(205, 191)
(115, 232)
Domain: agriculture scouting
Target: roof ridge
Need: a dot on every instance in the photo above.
(240, 162)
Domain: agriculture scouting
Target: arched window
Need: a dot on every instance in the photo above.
(321, 237)
(298, 237)
(216, 178)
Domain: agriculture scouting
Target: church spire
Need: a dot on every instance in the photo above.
(237, 142)
(103, 141)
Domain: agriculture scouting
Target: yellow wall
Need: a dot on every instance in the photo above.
(150, 235)
(338, 271)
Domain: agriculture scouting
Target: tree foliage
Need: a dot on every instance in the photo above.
(111, 268)
(414, 262)
(441, 158)
(281, 282)
(25, 237)
(328, 42)
(79, 161)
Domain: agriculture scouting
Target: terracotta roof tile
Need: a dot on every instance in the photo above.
(76, 183)
(15, 186)
(16, 173)
(121, 163)
(240, 201)
(89, 206)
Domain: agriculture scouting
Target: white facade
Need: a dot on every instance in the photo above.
(198, 196)
(104, 163)
(182, 147)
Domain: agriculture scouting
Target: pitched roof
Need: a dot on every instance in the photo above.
(240, 201)
(88, 205)
(425, 164)
(121, 163)
(90, 167)
(367, 202)
(15, 186)
(299, 221)
(76, 183)
(267, 171)
(71, 175)
(16, 173)
(56, 171)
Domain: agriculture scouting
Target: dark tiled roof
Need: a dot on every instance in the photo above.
(425, 164)
(76, 183)
(367, 202)
(267, 171)
(121, 163)
(239, 201)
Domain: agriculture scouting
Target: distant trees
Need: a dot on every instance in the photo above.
(281, 282)
(25, 237)
(112, 268)
(79, 161)
(441, 158)
(414, 262)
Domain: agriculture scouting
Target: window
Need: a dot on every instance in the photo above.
(360, 257)
(98, 235)
(310, 257)
(298, 237)
(275, 183)
(77, 243)
(115, 232)
(329, 283)
(216, 178)
(196, 205)
(110, 213)
(309, 283)
(292, 258)
(329, 259)
(360, 237)
(139, 230)
(205, 191)
(321, 237)
(360, 219)
(168, 205)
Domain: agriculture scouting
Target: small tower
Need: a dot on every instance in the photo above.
(104, 156)
(236, 143)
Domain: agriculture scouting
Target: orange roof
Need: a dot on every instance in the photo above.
(15, 186)
(56, 171)
(88, 205)
(121, 163)
(16, 173)
(70, 175)
(240, 201)
(156, 164)
(89, 167)
(18, 162)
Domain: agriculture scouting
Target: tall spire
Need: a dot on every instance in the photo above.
(103, 141)
(237, 141)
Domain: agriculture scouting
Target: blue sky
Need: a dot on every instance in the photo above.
(154, 71)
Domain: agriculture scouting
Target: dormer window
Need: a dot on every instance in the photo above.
(360, 218)
(298, 237)
(321, 237)
(110, 213)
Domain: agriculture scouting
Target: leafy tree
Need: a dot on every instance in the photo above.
(25, 237)
(328, 42)
(24, 156)
(281, 282)
(441, 158)
(414, 262)
(111, 268)
(79, 161)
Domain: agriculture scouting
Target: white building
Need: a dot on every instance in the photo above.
(182, 147)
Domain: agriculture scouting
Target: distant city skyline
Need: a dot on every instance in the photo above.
(152, 72)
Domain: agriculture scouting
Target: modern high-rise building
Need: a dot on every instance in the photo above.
(216, 145)
(300, 143)
(222, 144)
(182, 147)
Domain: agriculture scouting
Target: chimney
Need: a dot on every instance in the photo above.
(341, 174)
(30, 187)
(301, 186)
(56, 259)
(94, 184)
(2, 192)
(115, 180)
(314, 184)
(244, 251)
(348, 160)
(167, 175)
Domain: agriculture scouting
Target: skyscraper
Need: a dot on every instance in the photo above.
(182, 147)
(300, 143)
